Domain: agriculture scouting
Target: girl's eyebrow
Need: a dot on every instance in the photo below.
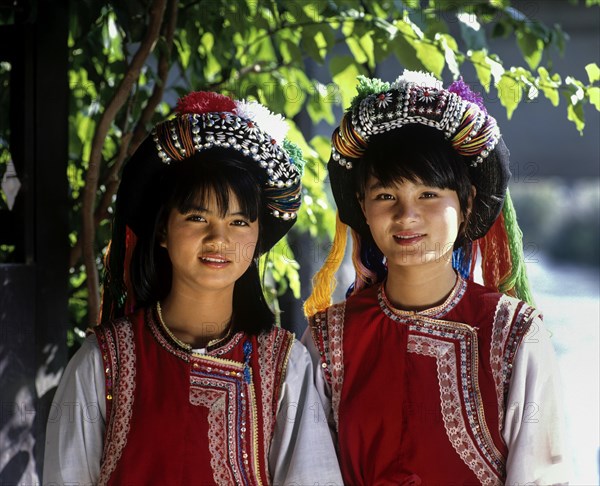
(209, 212)
(377, 185)
(195, 210)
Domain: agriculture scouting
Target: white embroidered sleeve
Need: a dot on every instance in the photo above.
(323, 388)
(302, 451)
(533, 424)
(75, 429)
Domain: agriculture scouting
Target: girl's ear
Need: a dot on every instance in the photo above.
(161, 236)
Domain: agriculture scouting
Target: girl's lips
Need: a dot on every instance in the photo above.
(217, 261)
(408, 239)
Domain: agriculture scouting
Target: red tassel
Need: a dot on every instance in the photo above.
(496, 262)
(130, 242)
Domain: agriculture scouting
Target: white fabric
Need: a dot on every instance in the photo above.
(534, 419)
(533, 424)
(301, 449)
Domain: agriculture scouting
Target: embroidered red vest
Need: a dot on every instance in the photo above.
(178, 418)
(419, 398)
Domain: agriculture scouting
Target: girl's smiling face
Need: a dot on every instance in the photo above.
(209, 249)
(412, 223)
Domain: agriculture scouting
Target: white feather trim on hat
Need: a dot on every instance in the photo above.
(274, 125)
(419, 78)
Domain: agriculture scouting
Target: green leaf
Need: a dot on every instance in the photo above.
(531, 46)
(321, 101)
(344, 72)
(471, 31)
(486, 67)
(510, 93)
(549, 85)
(403, 46)
(593, 72)
(450, 48)
(314, 42)
(575, 114)
(183, 49)
(593, 94)
(362, 49)
(482, 68)
(431, 57)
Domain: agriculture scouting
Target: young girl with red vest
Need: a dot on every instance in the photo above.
(428, 377)
(188, 381)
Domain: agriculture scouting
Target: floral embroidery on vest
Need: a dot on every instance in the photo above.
(458, 380)
(512, 321)
(220, 386)
(456, 428)
(240, 422)
(118, 354)
(274, 351)
(327, 329)
(215, 402)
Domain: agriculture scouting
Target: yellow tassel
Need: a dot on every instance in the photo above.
(324, 281)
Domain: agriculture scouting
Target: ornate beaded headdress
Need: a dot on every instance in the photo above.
(417, 98)
(204, 122)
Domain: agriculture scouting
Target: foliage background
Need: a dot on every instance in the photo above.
(131, 60)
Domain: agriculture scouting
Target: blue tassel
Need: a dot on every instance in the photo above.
(461, 264)
(247, 355)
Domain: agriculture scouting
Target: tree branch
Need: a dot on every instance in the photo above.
(91, 181)
(131, 141)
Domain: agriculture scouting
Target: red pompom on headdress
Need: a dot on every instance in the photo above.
(205, 102)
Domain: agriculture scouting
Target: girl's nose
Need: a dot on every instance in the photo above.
(216, 236)
(405, 212)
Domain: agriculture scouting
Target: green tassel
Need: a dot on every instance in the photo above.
(518, 276)
(368, 86)
(295, 154)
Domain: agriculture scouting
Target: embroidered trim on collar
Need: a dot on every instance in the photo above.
(171, 343)
(434, 312)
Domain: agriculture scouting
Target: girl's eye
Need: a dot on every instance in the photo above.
(195, 218)
(428, 195)
(240, 222)
(384, 197)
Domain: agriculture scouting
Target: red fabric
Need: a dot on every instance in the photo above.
(130, 242)
(168, 438)
(495, 254)
(391, 429)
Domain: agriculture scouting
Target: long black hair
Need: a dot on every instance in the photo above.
(186, 185)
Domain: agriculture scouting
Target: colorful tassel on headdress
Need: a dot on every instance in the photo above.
(324, 281)
(502, 260)
(462, 262)
(364, 276)
(130, 242)
(516, 282)
(117, 294)
(114, 290)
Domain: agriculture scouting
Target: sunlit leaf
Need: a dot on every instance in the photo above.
(532, 48)
(593, 72)
(510, 93)
(344, 72)
(549, 85)
(576, 115)
(593, 94)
